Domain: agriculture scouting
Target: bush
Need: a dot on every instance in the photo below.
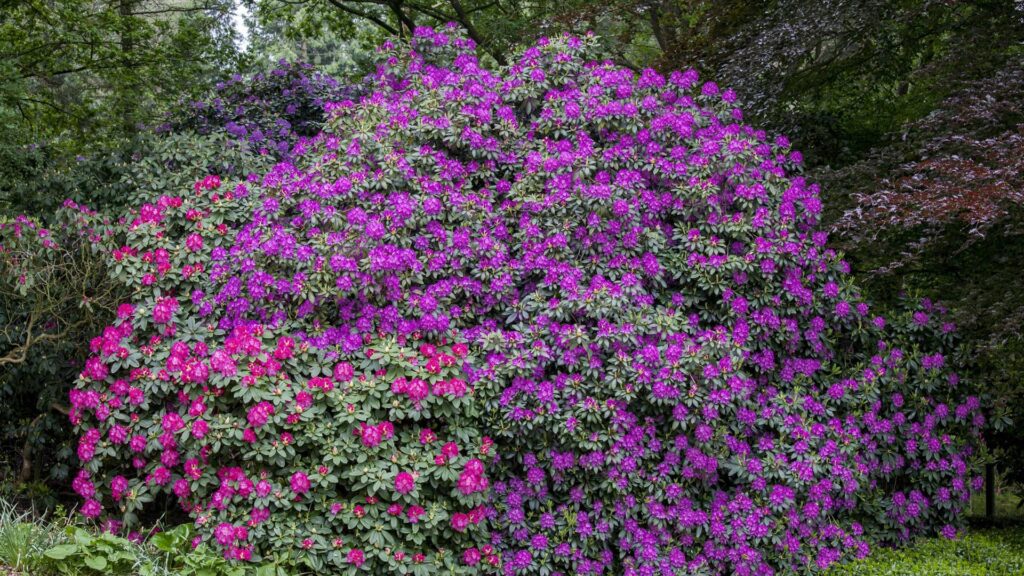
(267, 112)
(56, 292)
(556, 319)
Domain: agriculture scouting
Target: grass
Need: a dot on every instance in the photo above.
(990, 547)
(980, 552)
(1007, 506)
(23, 539)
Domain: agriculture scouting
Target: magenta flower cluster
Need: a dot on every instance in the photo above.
(561, 318)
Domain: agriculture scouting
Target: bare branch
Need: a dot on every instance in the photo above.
(384, 25)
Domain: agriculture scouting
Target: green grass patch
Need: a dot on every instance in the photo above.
(24, 538)
(985, 552)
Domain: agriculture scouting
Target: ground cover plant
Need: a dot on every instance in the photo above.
(561, 318)
(984, 552)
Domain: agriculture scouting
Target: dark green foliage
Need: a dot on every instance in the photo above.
(938, 212)
(54, 296)
(80, 78)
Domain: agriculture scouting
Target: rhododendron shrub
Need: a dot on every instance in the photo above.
(267, 112)
(561, 318)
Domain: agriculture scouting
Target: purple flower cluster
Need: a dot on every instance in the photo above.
(570, 318)
(269, 112)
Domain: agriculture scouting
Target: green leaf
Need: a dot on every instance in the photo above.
(164, 541)
(97, 563)
(61, 551)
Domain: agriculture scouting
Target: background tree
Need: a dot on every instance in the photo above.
(77, 78)
(939, 212)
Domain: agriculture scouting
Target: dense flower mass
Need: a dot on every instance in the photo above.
(559, 319)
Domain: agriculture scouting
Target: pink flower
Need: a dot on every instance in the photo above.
(450, 450)
(164, 309)
(343, 372)
(434, 365)
(195, 371)
(82, 485)
(404, 483)
(300, 483)
(224, 533)
(371, 435)
(172, 422)
(181, 488)
(427, 436)
(260, 413)
(95, 369)
(135, 396)
(460, 522)
(192, 468)
(118, 434)
(210, 182)
(258, 516)
(200, 428)
(125, 311)
(413, 513)
(356, 557)
(118, 486)
(417, 390)
(194, 242)
(91, 509)
(304, 400)
(263, 488)
(472, 479)
(222, 363)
